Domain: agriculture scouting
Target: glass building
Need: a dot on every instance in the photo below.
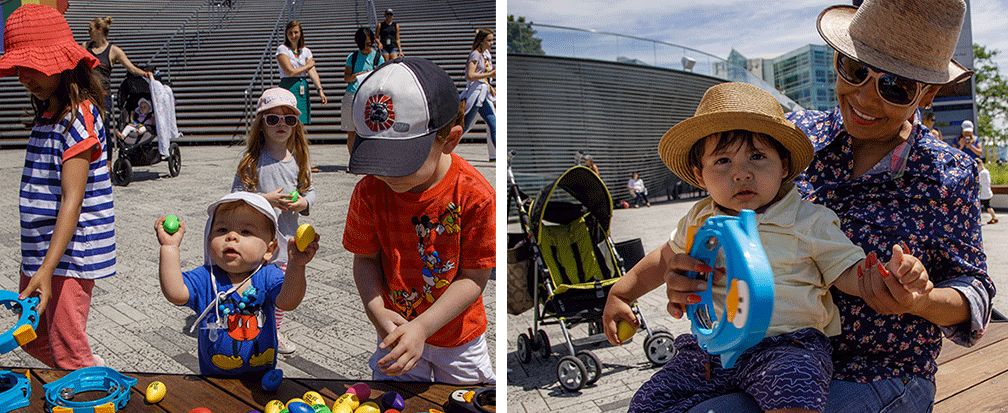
(806, 75)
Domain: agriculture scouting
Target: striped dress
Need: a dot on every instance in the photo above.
(91, 252)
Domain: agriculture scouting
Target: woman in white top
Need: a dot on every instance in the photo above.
(480, 95)
(985, 191)
(638, 193)
(296, 64)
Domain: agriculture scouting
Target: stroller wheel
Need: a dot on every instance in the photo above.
(122, 172)
(524, 348)
(593, 366)
(660, 347)
(542, 345)
(174, 160)
(571, 373)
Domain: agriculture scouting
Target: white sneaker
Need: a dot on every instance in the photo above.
(284, 345)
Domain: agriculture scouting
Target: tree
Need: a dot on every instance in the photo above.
(521, 37)
(991, 97)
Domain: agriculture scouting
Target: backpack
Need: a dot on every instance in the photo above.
(353, 60)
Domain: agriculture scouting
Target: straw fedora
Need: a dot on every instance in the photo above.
(38, 37)
(731, 106)
(911, 38)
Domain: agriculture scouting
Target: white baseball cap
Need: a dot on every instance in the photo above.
(967, 126)
(277, 96)
(398, 111)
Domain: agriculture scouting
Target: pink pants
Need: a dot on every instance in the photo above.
(62, 332)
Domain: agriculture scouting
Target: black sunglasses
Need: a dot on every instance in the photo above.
(273, 120)
(894, 89)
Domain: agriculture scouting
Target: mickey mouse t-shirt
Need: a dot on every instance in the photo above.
(424, 239)
(247, 342)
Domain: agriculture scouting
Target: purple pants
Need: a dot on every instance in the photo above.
(790, 370)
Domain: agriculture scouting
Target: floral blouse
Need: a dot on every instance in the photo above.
(923, 193)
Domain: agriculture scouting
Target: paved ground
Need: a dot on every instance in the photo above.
(533, 388)
(135, 329)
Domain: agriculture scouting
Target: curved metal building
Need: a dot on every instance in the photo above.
(615, 112)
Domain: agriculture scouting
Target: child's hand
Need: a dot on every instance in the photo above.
(407, 345)
(386, 321)
(616, 309)
(909, 271)
(298, 206)
(277, 198)
(41, 282)
(302, 258)
(169, 239)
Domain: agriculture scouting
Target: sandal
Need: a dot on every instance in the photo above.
(993, 221)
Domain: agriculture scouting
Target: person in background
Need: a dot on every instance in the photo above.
(589, 162)
(479, 95)
(985, 192)
(968, 142)
(359, 64)
(388, 32)
(638, 192)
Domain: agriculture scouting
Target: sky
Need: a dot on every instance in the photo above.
(756, 28)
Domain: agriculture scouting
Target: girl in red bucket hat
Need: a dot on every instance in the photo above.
(67, 220)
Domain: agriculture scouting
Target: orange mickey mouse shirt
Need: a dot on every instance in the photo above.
(424, 239)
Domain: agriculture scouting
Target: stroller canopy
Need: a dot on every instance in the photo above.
(589, 195)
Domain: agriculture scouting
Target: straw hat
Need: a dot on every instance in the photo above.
(731, 106)
(911, 38)
(38, 37)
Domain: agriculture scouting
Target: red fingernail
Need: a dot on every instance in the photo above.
(906, 249)
(693, 299)
(703, 268)
(882, 270)
(870, 260)
(859, 272)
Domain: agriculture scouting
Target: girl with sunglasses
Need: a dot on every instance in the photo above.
(276, 164)
(889, 179)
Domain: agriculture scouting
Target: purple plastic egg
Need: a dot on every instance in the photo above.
(392, 400)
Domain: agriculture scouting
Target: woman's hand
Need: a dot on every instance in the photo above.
(902, 288)
(323, 96)
(680, 289)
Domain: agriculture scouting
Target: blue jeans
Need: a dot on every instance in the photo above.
(910, 394)
(486, 111)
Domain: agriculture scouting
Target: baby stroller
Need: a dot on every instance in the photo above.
(574, 264)
(143, 149)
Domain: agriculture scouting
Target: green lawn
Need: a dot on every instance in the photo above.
(999, 173)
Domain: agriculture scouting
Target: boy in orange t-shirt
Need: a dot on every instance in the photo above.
(421, 228)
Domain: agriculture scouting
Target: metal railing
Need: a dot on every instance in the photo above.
(190, 34)
(600, 45)
(290, 11)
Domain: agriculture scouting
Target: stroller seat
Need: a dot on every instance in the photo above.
(582, 272)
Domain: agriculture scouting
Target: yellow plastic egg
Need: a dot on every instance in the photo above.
(155, 392)
(625, 331)
(304, 236)
(274, 406)
(342, 408)
(368, 407)
(348, 399)
(313, 398)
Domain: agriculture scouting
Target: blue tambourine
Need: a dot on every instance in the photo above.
(732, 243)
(15, 391)
(23, 331)
(58, 394)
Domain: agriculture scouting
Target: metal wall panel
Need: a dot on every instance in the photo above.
(613, 111)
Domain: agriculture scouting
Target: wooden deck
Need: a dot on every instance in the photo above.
(974, 379)
(232, 395)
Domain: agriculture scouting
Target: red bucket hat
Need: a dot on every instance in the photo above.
(38, 37)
